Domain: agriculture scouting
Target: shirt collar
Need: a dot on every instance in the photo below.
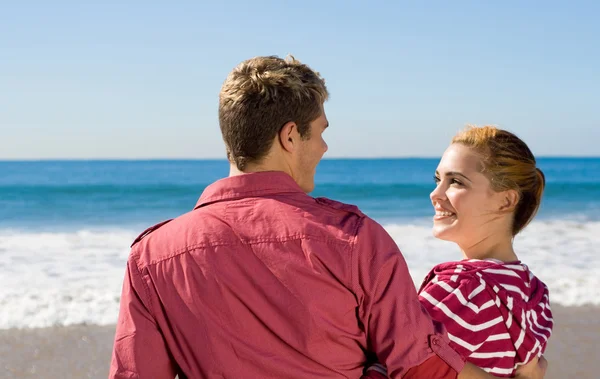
(253, 184)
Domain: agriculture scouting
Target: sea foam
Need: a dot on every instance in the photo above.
(64, 278)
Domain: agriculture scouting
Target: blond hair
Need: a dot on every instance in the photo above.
(259, 97)
(509, 164)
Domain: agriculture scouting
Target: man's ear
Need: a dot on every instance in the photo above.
(510, 199)
(288, 135)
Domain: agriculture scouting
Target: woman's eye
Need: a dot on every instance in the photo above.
(454, 181)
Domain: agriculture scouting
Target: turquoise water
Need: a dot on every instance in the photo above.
(66, 227)
(55, 194)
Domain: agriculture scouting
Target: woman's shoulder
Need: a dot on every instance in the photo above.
(458, 284)
(460, 272)
(467, 281)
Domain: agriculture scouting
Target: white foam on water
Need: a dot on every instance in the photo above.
(69, 278)
(563, 254)
(61, 278)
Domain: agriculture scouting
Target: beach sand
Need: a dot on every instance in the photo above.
(78, 352)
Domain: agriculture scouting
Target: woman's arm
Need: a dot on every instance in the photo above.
(533, 370)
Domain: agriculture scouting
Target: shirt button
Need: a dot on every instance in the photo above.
(435, 342)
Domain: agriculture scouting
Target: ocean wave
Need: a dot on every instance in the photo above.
(64, 278)
(564, 254)
(52, 278)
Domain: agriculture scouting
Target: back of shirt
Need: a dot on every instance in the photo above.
(253, 287)
(264, 281)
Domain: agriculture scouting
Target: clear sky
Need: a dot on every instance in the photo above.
(140, 79)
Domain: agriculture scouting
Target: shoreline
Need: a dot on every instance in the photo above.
(83, 351)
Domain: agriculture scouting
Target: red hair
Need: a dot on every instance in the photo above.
(509, 164)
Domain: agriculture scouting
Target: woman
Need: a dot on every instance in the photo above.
(496, 312)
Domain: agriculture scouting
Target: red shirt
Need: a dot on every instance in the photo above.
(261, 280)
(497, 314)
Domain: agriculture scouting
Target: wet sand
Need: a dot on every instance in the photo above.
(78, 352)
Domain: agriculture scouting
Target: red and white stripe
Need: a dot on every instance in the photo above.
(497, 315)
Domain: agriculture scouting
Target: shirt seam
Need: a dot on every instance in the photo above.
(237, 194)
(245, 243)
(146, 289)
(353, 257)
(446, 353)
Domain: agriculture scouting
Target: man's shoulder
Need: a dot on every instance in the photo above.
(339, 206)
(363, 226)
(149, 230)
(165, 239)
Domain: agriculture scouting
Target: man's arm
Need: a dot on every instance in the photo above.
(434, 367)
(139, 348)
(399, 330)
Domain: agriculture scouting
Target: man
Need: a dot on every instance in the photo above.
(261, 280)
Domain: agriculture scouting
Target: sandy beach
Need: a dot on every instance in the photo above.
(78, 352)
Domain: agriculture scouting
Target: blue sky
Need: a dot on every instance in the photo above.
(141, 79)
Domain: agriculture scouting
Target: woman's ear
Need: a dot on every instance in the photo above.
(510, 199)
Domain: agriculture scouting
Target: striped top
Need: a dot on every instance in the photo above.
(497, 314)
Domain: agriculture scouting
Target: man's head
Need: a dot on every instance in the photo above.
(271, 117)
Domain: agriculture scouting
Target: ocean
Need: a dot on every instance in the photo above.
(66, 226)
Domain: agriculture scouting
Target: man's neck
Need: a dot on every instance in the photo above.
(250, 168)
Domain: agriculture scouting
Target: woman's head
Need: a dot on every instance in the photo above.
(487, 182)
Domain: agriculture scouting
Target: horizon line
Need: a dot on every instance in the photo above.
(5, 160)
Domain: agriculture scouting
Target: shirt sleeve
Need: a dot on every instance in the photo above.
(398, 329)
(139, 348)
(474, 323)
